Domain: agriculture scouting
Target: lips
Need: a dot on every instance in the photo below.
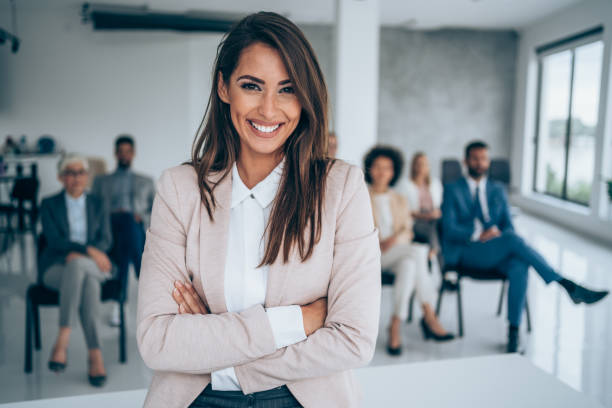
(265, 130)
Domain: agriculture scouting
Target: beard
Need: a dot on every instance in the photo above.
(476, 173)
(124, 164)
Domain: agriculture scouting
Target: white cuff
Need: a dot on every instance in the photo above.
(287, 325)
(224, 380)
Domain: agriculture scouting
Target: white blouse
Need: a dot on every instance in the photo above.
(245, 283)
(384, 215)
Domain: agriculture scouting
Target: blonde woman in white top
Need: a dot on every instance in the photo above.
(424, 195)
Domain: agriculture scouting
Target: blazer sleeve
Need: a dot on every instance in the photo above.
(195, 344)
(505, 222)
(453, 231)
(54, 237)
(348, 337)
(404, 213)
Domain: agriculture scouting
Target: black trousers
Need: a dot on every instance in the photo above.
(128, 245)
(279, 397)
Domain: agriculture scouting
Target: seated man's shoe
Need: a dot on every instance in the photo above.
(580, 294)
(513, 340)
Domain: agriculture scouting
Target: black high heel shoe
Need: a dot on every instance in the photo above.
(97, 380)
(393, 351)
(57, 367)
(429, 334)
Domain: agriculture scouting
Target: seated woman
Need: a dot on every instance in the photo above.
(77, 232)
(424, 194)
(407, 260)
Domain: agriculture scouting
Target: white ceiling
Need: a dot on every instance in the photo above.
(417, 14)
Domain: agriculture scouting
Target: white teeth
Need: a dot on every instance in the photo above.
(265, 129)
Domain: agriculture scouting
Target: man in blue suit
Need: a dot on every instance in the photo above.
(478, 234)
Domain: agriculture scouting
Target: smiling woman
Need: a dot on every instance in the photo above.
(260, 280)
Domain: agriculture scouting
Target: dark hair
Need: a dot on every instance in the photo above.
(297, 209)
(413, 163)
(121, 139)
(384, 151)
(475, 145)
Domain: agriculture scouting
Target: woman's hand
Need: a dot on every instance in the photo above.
(100, 258)
(314, 315)
(386, 244)
(187, 299)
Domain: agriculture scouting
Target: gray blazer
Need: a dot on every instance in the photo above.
(56, 230)
(143, 193)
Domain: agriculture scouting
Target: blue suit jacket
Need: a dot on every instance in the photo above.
(458, 216)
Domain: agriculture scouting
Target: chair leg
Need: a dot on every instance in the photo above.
(528, 315)
(36, 322)
(28, 336)
(122, 353)
(459, 308)
(501, 298)
(440, 293)
(410, 308)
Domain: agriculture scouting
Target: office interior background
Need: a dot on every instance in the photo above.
(532, 79)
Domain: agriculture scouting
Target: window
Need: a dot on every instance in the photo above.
(568, 105)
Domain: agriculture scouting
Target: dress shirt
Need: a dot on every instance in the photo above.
(245, 283)
(77, 218)
(482, 196)
(121, 197)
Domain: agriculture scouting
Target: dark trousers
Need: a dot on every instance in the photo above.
(128, 245)
(279, 397)
(512, 256)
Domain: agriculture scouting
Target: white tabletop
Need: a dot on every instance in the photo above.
(493, 381)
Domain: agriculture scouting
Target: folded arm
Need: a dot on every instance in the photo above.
(348, 337)
(188, 343)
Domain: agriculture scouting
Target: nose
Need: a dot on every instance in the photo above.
(267, 105)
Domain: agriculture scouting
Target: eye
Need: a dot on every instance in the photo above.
(288, 89)
(250, 86)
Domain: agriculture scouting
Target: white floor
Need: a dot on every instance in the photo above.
(573, 343)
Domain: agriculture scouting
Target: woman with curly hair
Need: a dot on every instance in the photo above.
(407, 260)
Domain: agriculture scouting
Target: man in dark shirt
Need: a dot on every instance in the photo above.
(129, 196)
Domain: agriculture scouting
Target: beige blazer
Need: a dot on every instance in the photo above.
(183, 244)
(400, 212)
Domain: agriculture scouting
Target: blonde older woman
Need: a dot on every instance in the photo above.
(77, 231)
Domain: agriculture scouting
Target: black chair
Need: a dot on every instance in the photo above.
(499, 170)
(23, 200)
(39, 295)
(448, 285)
(451, 170)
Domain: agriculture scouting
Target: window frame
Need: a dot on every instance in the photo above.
(567, 44)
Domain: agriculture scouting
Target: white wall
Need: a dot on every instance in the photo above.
(593, 221)
(85, 87)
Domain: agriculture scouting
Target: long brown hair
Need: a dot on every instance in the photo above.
(295, 218)
(413, 169)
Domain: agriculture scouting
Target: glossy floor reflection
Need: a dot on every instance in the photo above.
(573, 343)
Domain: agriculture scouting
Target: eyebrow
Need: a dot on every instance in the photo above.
(261, 81)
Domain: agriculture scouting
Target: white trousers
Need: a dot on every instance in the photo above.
(408, 262)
